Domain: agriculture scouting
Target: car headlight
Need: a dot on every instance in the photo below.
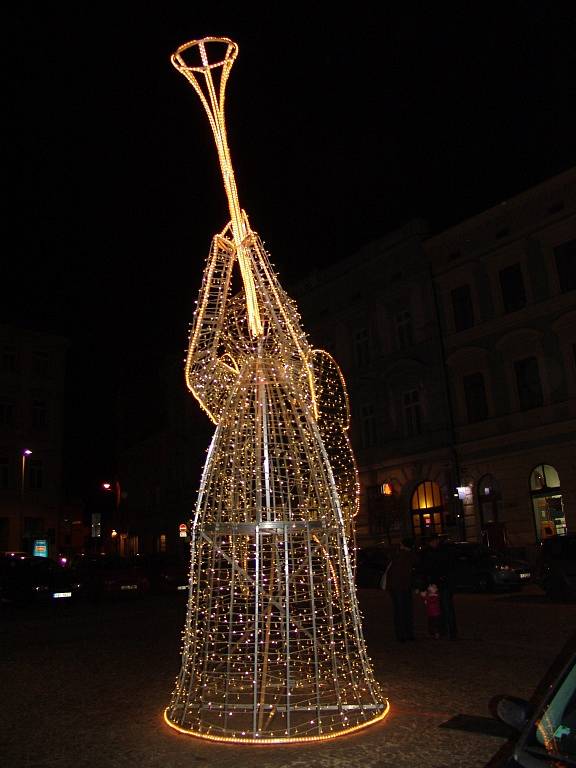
(502, 567)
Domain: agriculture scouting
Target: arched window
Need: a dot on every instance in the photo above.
(427, 509)
(547, 502)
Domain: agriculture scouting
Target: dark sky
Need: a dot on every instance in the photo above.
(343, 125)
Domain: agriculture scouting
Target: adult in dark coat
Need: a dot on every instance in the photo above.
(399, 584)
(437, 567)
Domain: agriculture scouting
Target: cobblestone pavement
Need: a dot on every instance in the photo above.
(85, 687)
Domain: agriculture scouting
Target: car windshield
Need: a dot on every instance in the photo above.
(554, 731)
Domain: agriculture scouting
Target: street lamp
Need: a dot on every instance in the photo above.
(25, 453)
(115, 489)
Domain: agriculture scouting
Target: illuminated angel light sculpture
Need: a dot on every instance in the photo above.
(273, 649)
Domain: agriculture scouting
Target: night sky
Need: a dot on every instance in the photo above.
(342, 127)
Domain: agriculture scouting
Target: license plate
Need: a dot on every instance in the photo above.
(129, 586)
(524, 575)
(62, 594)
(182, 587)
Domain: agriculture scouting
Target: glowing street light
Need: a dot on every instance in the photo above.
(115, 489)
(25, 453)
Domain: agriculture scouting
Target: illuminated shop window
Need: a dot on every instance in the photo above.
(547, 502)
(427, 509)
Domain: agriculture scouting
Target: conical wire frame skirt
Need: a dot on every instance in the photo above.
(273, 648)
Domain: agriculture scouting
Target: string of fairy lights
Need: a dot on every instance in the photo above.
(272, 647)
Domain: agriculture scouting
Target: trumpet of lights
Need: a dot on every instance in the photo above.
(273, 649)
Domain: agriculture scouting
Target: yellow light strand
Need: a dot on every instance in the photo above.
(272, 649)
(290, 740)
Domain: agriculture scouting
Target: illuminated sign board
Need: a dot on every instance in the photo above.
(40, 548)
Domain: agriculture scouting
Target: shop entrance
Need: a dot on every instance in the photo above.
(427, 510)
(547, 505)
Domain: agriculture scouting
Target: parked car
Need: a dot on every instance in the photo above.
(27, 579)
(475, 567)
(371, 563)
(104, 576)
(167, 573)
(556, 567)
(547, 725)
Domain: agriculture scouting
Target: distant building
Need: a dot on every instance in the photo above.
(32, 373)
(459, 351)
(506, 281)
(159, 469)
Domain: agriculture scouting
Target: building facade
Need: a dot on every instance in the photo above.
(506, 281)
(158, 470)
(459, 351)
(32, 376)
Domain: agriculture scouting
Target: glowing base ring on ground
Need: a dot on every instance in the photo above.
(279, 740)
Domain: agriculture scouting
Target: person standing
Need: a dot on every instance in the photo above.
(437, 568)
(399, 583)
(431, 599)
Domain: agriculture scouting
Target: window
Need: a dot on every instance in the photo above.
(427, 509)
(35, 474)
(41, 366)
(384, 515)
(33, 527)
(475, 394)
(556, 207)
(362, 348)
(462, 308)
(4, 533)
(412, 412)
(96, 526)
(6, 474)
(565, 256)
(528, 383)
(8, 361)
(547, 502)
(367, 426)
(512, 287)
(403, 323)
(488, 497)
(39, 415)
(6, 413)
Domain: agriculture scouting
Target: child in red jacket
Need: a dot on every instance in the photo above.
(433, 610)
